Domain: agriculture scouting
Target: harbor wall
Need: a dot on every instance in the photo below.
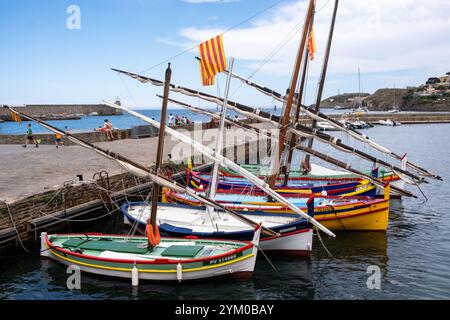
(404, 118)
(45, 110)
(49, 138)
(23, 220)
(145, 131)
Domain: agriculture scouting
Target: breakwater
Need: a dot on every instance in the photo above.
(403, 117)
(61, 110)
(136, 132)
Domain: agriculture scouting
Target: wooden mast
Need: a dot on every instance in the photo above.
(160, 150)
(297, 110)
(287, 110)
(324, 73)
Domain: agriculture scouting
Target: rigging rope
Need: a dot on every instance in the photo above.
(227, 30)
(274, 51)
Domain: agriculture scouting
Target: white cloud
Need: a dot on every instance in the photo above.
(378, 36)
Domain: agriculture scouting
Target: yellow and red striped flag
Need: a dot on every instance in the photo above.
(212, 59)
(312, 44)
(15, 116)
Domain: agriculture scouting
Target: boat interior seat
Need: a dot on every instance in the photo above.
(182, 251)
(102, 245)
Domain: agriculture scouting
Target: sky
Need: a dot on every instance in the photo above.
(47, 58)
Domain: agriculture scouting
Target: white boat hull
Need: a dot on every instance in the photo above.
(231, 266)
(295, 242)
(242, 268)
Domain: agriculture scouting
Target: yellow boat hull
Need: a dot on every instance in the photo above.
(364, 215)
(374, 219)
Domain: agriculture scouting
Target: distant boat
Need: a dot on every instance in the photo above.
(387, 122)
(360, 111)
(359, 124)
(93, 114)
(394, 108)
(339, 108)
(325, 126)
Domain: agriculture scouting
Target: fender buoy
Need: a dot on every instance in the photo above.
(153, 235)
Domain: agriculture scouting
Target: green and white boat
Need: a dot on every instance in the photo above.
(171, 260)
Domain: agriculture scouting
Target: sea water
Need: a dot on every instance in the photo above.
(412, 256)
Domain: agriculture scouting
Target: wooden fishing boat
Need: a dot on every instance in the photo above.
(171, 260)
(317, 173)
(335, 213)
(177, 220)
(348, 187)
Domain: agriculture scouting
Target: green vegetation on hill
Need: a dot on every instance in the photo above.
(348, 100)
(410, 99)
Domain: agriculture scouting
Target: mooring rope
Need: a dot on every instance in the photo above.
(267, 258)
(323, 244)
(14, 225)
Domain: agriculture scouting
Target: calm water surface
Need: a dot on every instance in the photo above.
(414, 254)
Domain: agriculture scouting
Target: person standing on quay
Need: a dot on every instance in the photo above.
(58, 141)
(30, 137)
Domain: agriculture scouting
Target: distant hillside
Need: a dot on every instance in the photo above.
(384, 99)
(348, 100)
(414, 102)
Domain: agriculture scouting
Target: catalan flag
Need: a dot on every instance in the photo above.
(212, 59)
(15, 116)
(312, 44)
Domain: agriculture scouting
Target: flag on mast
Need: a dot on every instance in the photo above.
(15, 116)
(212, 59)
(312, 44)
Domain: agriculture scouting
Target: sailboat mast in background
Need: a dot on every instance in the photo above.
(323, 76)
